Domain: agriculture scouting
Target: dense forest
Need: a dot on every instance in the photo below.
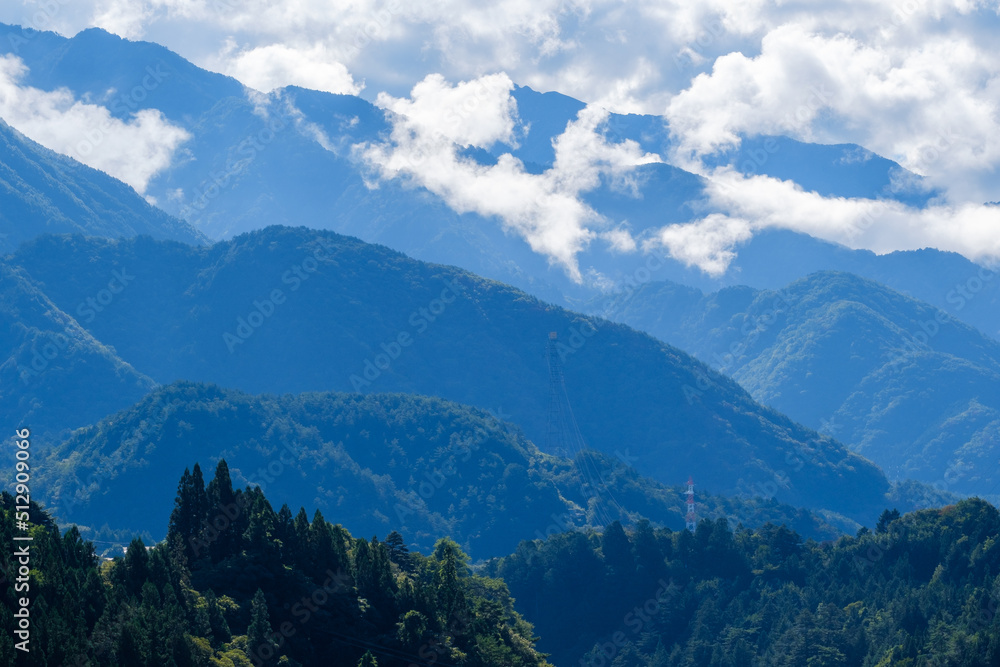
(921, 589)
(426, 467)
(238, 584)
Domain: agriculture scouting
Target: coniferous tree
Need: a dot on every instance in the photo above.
(326, 550)
(398, 552)
(284, 530)
(381, 564)
(149, 610)
(449, 589)
(885, 519)
(190, 512)
(411, 630)
(617, 548)
(135, 566)
(226, 518)
(260, 646)
(260, 533)
(364, 568)
(301, 554)
(368, 660)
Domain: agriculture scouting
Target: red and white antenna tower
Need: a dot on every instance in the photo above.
(692, 518)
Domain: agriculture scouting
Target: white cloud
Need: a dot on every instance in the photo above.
(133, 151)
(708, 243)
(277, 65)
(473, 113)
(759, 202)
(126, 18)
(917, 81)
(931, 106)
(545, 209)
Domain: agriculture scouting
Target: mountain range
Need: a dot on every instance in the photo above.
(293, 310)
(379, 462)
(290, 157)
(904, 383)
(137, 298)
(43, 192)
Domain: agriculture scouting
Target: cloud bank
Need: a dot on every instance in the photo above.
(917, 81)
(545, 209)
(132, 151)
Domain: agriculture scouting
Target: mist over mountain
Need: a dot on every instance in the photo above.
(635, 336)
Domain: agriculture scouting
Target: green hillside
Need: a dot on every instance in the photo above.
(293, 310)
(381, 462)
(900, 381)
(53, 374)
(923, 589)
(267, 588)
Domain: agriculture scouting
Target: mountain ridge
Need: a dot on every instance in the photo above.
(172, 323)
(901, 381)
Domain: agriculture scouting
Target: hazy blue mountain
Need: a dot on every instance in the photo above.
(257, 161)
(44, 192)
(292, 310)
(839, 170)
(106, 69)
(947, 280)
(382, 462)
(53, 374)
(911, 388)
(842, 170)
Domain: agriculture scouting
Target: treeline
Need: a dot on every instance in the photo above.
(429, 467)
(922, 589)
(237, 584)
